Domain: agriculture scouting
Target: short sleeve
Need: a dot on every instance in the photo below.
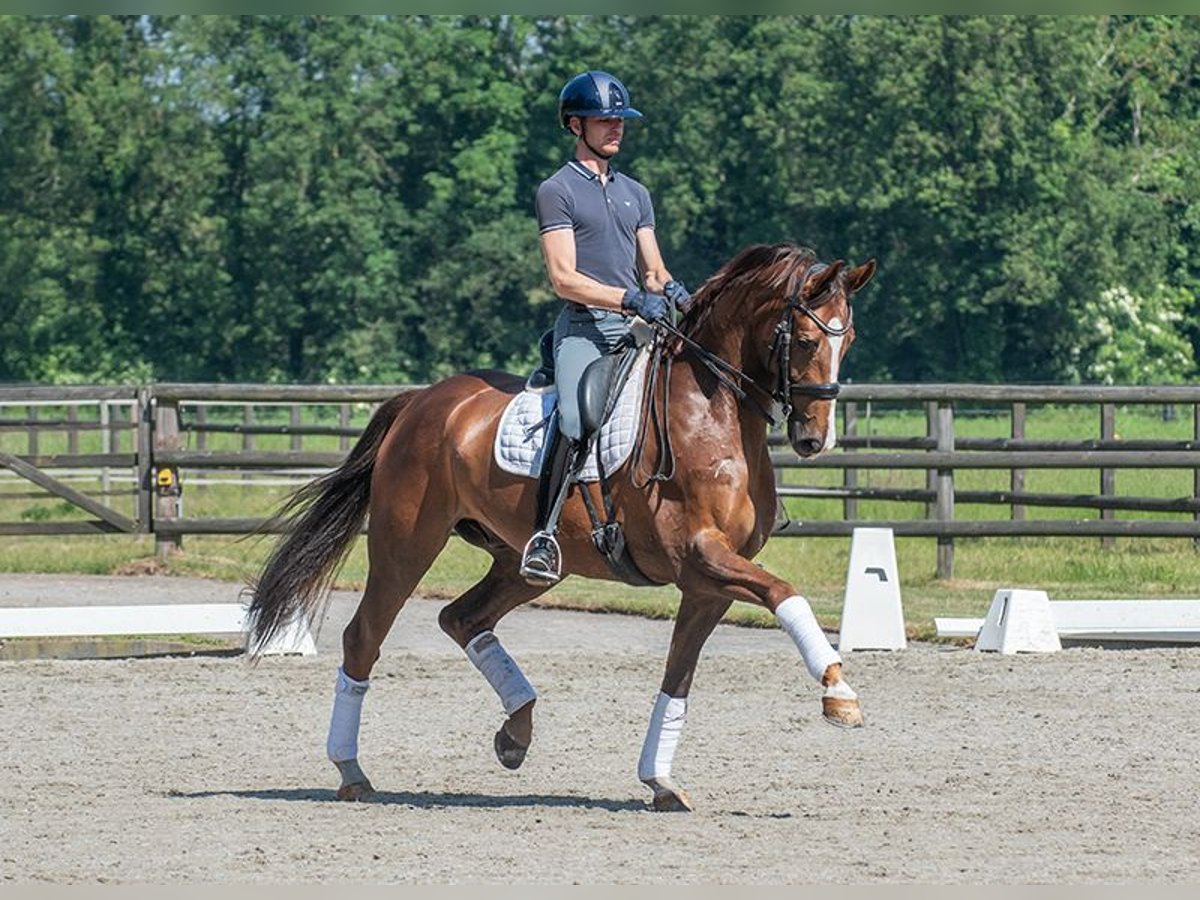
(645, 209)
(554, 207)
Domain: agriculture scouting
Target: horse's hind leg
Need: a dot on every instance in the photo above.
(469, 621)
(399, 557)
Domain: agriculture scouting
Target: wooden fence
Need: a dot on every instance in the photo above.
(143, 430)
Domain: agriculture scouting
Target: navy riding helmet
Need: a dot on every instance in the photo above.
(594, 94)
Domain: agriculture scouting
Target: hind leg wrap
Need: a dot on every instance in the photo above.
(342, 743)
(501, 671)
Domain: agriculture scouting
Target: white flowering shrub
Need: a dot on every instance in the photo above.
(1139, 340)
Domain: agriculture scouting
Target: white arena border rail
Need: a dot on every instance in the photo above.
(162, 619)
(1148, 621)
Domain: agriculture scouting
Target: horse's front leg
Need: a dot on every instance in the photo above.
(694, 623)
(715, 561)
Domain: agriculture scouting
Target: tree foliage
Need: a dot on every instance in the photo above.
(350, 198)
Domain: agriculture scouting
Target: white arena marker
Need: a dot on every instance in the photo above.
(181, 618)
(1019, 621)
(872, 614)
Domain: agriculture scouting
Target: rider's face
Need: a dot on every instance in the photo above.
(603, 134)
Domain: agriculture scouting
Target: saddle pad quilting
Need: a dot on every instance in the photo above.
(521, 437)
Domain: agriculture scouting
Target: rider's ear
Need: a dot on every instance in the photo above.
(576, 125)
(860, 275)
(816, 284)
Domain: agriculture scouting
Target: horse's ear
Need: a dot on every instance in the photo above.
(860, 275)
(816, 284)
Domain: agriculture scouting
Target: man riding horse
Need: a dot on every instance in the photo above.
(598, 240)
(761, 342)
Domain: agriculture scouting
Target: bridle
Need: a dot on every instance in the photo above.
(731, 377)
(781, 349)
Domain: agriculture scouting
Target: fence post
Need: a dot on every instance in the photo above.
(201, 421)
(1108, 477)
(297, 437)
(850, 476)
(247, 420)
(344, 422)
(105, 446)
(1196, 474)
(931, 431)
(32, 413)
(72, 428)
(145, 460)
(168, 502)
(1017, 480)
(945, 489)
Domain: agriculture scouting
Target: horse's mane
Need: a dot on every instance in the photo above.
(759, 267)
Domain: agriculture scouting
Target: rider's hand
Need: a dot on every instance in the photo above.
(678, 294)
(651, 307)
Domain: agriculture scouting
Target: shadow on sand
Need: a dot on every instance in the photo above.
(426, 799)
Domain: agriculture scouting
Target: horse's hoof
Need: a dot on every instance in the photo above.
(360, 790)
(508, 751)
(842, 712)
(669, 797)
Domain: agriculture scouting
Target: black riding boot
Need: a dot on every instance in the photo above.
(542, 560)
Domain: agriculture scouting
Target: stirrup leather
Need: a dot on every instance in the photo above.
(551, 556)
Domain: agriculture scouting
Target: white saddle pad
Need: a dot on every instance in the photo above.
(521, 437)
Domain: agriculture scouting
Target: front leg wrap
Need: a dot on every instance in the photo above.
(662, 737)
(796, 618)
(501, 671)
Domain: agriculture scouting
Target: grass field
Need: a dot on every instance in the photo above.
(1066, 568)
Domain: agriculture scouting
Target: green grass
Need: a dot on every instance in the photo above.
(1065, 567)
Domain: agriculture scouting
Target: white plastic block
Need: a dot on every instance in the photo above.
(1019, 621)
(872, 614)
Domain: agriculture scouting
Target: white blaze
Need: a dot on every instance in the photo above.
(835, 350)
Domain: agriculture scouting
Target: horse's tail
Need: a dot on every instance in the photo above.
(321, 521)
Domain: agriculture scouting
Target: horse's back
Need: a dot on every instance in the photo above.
(444, 437)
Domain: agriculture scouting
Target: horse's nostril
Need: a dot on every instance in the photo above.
(808, 446)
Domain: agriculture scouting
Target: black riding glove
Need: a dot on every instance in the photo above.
(678, 294)
(651, 307)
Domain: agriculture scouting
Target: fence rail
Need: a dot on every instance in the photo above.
(159, 434)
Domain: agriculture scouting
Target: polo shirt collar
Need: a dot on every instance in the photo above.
(588, 173)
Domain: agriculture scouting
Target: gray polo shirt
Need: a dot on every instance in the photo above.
(604, 216)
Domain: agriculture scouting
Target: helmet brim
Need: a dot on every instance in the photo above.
(625, 112)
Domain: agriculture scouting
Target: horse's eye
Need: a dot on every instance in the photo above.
(807, 344)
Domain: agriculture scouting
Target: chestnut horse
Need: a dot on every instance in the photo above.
(763, 336)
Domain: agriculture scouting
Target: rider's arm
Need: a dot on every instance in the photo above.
(650, 262)
(558, 248)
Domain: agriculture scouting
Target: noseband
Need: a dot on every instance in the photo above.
(781, 348)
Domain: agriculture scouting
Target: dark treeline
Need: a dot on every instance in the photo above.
(351, 199)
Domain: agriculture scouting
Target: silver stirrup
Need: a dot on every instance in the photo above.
(542, 576)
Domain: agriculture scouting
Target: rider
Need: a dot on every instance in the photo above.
(598, 241)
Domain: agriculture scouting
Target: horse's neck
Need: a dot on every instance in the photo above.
(710, 407)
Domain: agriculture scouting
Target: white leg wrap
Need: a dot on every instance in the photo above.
(342, 743)
(501, 671)
(796, 618)
(666, 725)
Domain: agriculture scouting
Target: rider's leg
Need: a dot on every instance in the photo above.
(573, 353)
